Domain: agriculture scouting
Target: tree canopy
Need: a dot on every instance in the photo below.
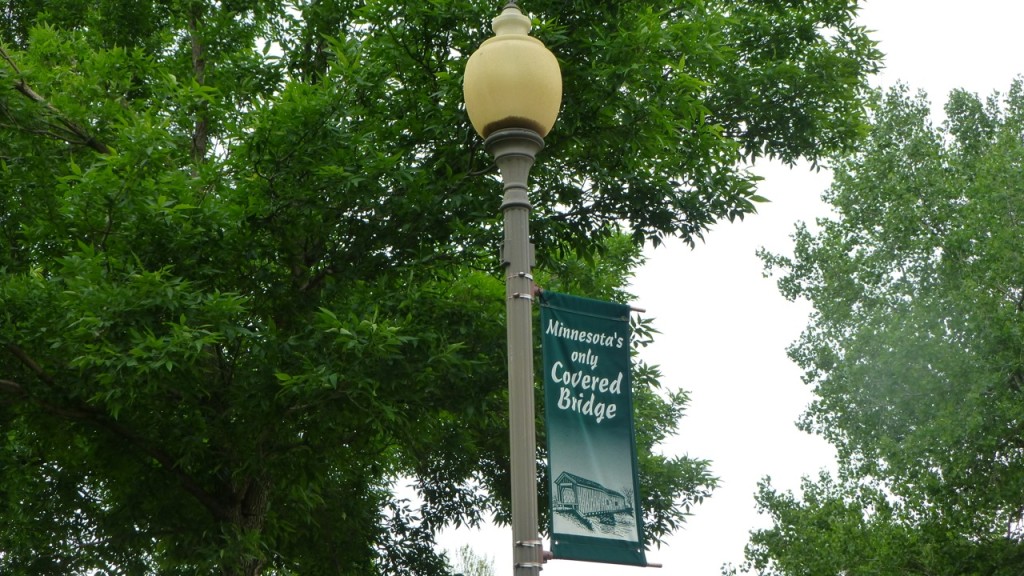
(914, 350)
(248, 257)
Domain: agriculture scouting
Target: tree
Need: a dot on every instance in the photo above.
(914, 347)
(470, 564)
(248, 270)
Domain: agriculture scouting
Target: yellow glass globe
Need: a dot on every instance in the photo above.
(512, 80)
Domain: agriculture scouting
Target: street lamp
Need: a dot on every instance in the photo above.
(513, 90)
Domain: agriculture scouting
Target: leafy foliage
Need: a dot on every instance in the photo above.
(914, 348)
(247, 257)
(469, 563)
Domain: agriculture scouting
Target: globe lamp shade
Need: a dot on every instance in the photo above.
(512, 80)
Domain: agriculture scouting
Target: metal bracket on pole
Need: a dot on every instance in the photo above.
(533, 259)
(521, 275)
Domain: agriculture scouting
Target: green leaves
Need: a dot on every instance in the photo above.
(248, 263)
(913, 348)
(835, 529)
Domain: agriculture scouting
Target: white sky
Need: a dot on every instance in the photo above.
(725, 328)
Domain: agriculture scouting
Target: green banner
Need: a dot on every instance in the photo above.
(594, 497)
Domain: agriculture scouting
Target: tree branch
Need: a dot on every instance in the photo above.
(12, 387)
(74, 128)
(163, 458)
(200, 136)
(98, 419)
(29, 363)
(316, 280)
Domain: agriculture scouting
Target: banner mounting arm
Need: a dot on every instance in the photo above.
(537, 290)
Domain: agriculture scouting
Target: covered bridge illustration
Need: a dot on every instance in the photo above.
(586, 497)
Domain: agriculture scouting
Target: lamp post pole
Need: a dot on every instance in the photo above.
(513, 90)
(514, 150)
